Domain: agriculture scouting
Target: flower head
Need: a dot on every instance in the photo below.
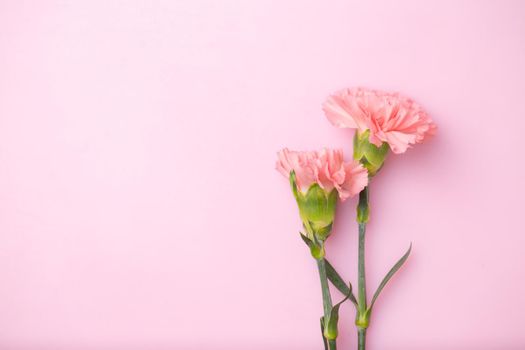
(389, 117)
(325, 168)
(317, 180)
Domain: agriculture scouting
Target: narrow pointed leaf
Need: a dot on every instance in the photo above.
(330, 331)
(389, 275)
(333, 276)
(336, 279)
(338, 282)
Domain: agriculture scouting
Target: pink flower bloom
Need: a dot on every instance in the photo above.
(390, 117)
(326, 168)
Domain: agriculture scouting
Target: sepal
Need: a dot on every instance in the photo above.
(371, 156)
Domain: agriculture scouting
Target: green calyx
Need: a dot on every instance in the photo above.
(368, 154)
(317, 210)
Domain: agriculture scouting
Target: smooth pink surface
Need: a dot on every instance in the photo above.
(139, 203)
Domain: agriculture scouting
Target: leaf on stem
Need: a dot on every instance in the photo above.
(389, 275)
(330, 330)
(333, 276)
(338, 282)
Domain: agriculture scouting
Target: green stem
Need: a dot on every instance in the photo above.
(327, 300)
(361, 282)
(361, 338)
(362, 314)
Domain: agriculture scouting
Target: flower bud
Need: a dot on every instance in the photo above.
(371, 156)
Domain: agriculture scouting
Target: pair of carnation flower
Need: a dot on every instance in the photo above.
(383, 122)
(381, 119)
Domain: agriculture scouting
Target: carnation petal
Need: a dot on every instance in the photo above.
(337, 114)
(325, 168)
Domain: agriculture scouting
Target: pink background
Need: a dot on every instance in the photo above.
(140, 208)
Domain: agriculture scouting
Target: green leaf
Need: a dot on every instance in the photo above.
(330, 330)
(334, 276)
(389, 275)
(336, 279)
(325, 342)
(338, 282)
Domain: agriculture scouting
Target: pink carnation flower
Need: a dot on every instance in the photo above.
(326, 168)
(390, 117)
